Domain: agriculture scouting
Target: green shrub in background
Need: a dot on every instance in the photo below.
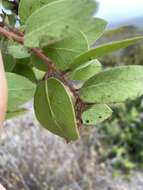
(122, 136)
(129, 56)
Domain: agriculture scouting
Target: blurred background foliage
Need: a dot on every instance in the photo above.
(121, 139)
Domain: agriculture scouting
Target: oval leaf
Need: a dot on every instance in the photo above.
(43, 110)
(54, 109)
(96, 114)
(20, 90)
(114, 85)
(57, 20)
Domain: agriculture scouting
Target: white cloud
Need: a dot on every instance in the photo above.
(123, 9)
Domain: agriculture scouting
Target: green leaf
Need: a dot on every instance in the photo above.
(64, 51)
(54, 109)
(25, 70)
(15, 113)
(25, 61)
(57, 20)
(38, 63)
(38, 74)
(114, 85)
(94, 29)
(26, 7)
(96, 114)
(9, 62)
(103, 50)
(43, 110)
(20, 90)
(86, 71)
(61, 105)
(18, 51)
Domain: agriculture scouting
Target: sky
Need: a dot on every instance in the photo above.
(113, 10)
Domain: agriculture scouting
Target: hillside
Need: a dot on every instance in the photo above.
(135, 21)
(127, 56)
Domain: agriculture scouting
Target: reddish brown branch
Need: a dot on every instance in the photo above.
(14, 34)
(11, 35)
(44, 58)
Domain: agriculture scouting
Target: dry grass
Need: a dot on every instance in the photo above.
(31, 158)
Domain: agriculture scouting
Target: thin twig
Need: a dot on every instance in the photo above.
(11, 35)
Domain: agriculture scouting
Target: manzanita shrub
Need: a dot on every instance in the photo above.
(47, 52)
